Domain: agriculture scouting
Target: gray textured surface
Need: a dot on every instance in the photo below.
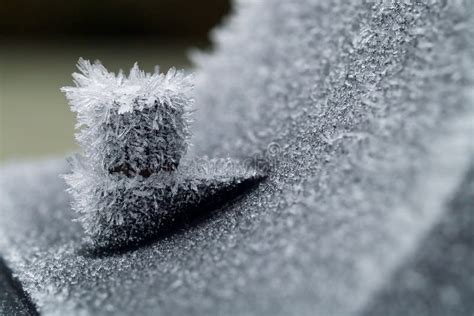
(439, 278)
(365, 112)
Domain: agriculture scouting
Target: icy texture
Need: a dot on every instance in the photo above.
(13, 301)
(133, 125)
(117, 210)
(128, 185)
(369, 108)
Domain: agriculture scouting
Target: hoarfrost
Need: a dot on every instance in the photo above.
(128, 183)
(132, 124)
(371, 105)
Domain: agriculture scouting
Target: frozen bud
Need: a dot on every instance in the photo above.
(135, 124)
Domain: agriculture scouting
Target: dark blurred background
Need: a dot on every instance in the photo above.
(40, 42)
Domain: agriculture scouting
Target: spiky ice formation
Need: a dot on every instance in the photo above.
(126, 186)
(134, 124)
(116, 210)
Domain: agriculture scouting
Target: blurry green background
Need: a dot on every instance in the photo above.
(40, 42)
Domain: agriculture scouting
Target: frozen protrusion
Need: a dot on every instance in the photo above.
(116, 210)
(128, 184)
(135, 124)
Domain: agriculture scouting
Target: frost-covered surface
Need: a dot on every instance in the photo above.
(117, 210)
(369, 110)
(439, 278)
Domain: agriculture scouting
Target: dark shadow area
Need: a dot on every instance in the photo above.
(106, 19)
(181, 221)
(13, 299)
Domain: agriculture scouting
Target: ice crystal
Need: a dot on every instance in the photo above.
(133, 124)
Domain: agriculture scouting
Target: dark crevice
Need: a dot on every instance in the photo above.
(182, 221)
(13, 298)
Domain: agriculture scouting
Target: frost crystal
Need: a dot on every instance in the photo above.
(371, 105)
(134, 130)
(133, 124)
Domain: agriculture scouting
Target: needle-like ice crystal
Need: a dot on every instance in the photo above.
(131, 124)
(134, 131)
